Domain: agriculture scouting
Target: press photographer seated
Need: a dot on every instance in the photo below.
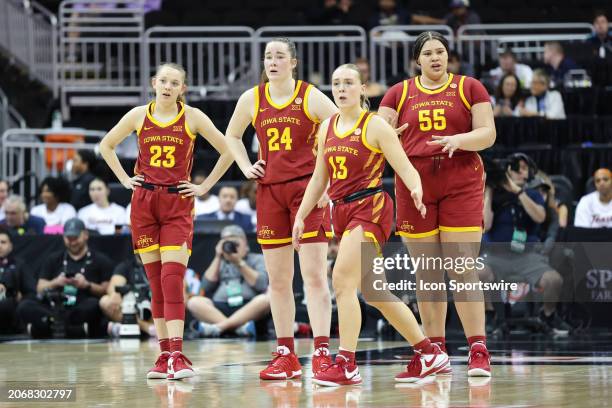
(69, 287)
(235, 283)
(513, 213)
(131, 276)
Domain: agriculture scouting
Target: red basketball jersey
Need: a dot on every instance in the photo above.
(444, 111)
(165, 150)
(286, 134)
(352, 164)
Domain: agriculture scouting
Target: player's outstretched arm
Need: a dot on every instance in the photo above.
(129, 123)
(242, 116)
(380, 134)
(315, 189)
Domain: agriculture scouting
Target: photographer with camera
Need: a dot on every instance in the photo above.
(15, 284)
(128, 276)
(69, 286)
(235, 283)
(513, 213)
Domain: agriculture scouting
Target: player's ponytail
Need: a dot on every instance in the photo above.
(364, 102)
(179, 68)
(292, 54)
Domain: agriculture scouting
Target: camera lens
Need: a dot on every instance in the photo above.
(230, 247)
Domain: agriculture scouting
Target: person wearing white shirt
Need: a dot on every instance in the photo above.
(508, 65)
(101, 215)
(206, 203)
(595, 209)
(55, 210)
(543, 102)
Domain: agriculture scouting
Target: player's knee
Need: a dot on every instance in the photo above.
(280, 285)
(343, 285)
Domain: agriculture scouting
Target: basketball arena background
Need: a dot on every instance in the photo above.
(70, 69)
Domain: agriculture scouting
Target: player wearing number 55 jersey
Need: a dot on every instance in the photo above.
(162, 202)
(444, 119)
(286, 113)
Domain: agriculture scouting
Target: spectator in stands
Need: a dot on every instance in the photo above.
(458, 67)
(550, 227)
(147, 5)
(508, 65)
(513, 215)
(460, 14)
(601, 40)
(206, 203)
(83, 163)
(235, 283)
(55, 210)
(595, 209)
(543, 102)
(129, 272)
(4, 189)
(18, 221)
(102, 216)
(557, 64)
(228, 196)
(337, 12)
(373, 89)
(389, 13)
(247, 204)
(15, 283)
(507, 96)
(78, 275)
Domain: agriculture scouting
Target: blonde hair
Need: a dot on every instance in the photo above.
(363, 99)
(179, 68)
(292, 53)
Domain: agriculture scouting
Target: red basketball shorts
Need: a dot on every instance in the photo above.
(277, 205)
(160, 220)
(453, 192)
(373, 213)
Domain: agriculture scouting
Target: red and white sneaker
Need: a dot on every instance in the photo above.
(321, 358)
(284, 366)
(160, 369)
(479, 362)
(340, 373)
(179, 366)
(423, 365)
(447, 370)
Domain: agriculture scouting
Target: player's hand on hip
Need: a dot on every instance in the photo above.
(188, 189)
(323, 201)
(448, 143)
(417, 198)
(257, 170)
(298, 231)
(132, 182)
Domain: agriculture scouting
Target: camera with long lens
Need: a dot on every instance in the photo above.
(57, 321)
(497, 169)
(129, 322)
(230, 247)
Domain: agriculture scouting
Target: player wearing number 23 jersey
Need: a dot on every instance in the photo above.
(287, 142)
(165, 159)
(452, 187)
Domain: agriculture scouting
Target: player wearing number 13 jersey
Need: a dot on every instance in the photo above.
(162, 202)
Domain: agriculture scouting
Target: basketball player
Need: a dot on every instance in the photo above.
(353, 146)
(286, 114)
(162, 201)
(444, 119)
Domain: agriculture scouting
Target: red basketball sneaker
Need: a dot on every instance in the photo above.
(160, 369)
(320, 359)
(447, 370)
(479, 362)
(179, 366)
(423, 365)
(284, 366)
(340, 373)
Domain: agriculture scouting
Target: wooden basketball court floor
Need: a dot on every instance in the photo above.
(112, 373)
